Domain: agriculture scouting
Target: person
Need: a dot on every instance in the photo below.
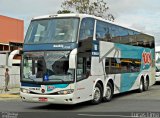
(7, 78)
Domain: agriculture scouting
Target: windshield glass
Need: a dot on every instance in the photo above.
(52, 31)
(49, 66)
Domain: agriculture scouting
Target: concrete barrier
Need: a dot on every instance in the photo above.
(14, 72)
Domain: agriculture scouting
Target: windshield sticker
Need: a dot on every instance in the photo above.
(45, 78)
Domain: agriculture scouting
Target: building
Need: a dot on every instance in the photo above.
(11, 40)
(11, 29)
(11, 32)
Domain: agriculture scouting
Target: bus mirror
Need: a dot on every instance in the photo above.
(72, 59)
(21, 52)
(79, 44)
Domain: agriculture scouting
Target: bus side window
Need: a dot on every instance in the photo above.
(122, 65)
(87, 28)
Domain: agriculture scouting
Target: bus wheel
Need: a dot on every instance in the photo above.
(146, 85)
(141, 86)
(97, 95)
(109, 92)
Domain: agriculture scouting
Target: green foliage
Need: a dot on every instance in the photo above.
(96, 7)
(64, 11)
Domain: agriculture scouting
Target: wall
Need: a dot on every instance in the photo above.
(11, 30)
(3, 59)
(14, 72)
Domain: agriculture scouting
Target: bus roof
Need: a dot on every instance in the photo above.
(83, 16)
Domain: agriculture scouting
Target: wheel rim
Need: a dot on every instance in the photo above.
(146, 84)
(141, 86)
(108, 92)
(97, 94)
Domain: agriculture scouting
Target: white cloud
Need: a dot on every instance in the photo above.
(27, 9)
(143, 15)
(133, 6)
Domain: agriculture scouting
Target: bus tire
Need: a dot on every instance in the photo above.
(146, 85)
(109, 92)
(141, 86)
(97, 95)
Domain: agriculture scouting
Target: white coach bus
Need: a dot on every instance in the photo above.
(72, 58)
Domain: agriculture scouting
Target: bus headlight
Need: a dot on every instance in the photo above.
(24, 90)
(64, 92)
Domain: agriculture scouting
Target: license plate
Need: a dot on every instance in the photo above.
(42, 99)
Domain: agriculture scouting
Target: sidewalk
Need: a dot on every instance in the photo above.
(12, 93)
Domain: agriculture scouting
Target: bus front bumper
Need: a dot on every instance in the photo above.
(55, 99)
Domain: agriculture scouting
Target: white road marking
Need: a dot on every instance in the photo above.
(122, 116)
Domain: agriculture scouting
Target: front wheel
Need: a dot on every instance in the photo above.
(109, 92)
(97, 95)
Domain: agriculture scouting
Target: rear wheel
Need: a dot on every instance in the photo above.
(109, 92)
(146, 85)
(141, 86)
(97, 95)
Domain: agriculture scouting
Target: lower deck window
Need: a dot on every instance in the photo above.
(122, 65)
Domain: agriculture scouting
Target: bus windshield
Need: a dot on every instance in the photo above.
(58, 30)
(48, 66)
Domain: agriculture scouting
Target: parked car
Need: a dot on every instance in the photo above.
(157, 73)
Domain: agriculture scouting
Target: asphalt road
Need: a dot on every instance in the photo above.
(122, 105)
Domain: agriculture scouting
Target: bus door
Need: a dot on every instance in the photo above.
(84, 83)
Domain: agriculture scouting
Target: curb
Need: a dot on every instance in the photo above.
(11, 95)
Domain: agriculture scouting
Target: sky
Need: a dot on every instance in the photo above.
(143, 15)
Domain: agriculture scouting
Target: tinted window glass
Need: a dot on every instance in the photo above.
(83, 66)
(117, 34)
(50, 65)
(122, 65)
(87, 28)
(58, 30)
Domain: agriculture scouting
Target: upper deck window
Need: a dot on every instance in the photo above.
(59, 30)
(113, 33)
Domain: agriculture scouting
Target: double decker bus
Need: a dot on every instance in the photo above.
(72, 58)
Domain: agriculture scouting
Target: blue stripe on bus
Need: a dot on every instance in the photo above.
(135, 53)
(127, 81)
(36, 47)
(130, 51)
(59, 85)
(95, 42)
(95, 47)
(35, 85)
(29, 85)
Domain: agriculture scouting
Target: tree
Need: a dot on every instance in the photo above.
(96, 7)
(64, 11)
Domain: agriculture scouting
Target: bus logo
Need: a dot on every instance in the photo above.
(58, 46)
(50, 88)
(146, 56)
